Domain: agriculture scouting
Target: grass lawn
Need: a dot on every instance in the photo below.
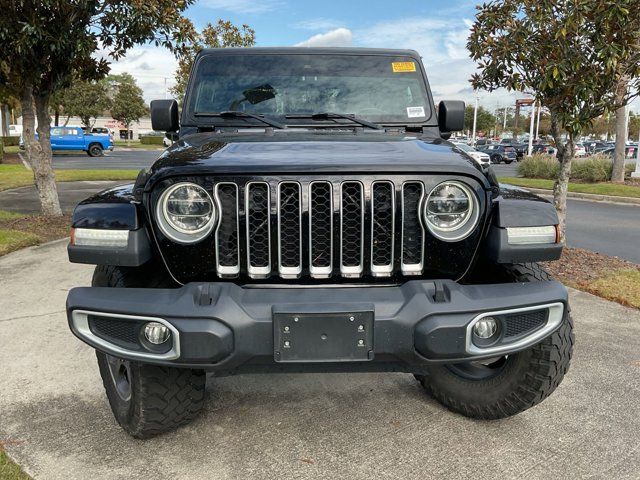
(622, 286)
(14, 176)
(608, 277)
(9, 470)
(596, 188)
(18, 230)
(137, 144)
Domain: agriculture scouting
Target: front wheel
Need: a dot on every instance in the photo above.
(495, 159)
(506, 385)
(147, 400)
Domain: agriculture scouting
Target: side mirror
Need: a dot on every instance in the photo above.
(451, 116)
(164, 115)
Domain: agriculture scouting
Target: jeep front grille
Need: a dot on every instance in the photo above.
(319, 228)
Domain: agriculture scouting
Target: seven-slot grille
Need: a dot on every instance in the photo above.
(322, 228)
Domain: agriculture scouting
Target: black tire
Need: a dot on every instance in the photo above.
(513, 384)
(147, 400)
(508, 162)
(95, 150)
(495, 159)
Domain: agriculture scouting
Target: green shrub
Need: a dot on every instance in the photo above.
(596, 168)
(539, 166)
(151, 140)
(629, 168)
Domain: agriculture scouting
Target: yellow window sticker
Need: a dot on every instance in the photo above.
(399, 67)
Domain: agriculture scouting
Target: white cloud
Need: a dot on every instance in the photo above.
(340, 37)
(319, 24)
(243, 6)
(152, 67)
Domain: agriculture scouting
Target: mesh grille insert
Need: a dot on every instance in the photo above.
(382, 228)
(227, 235)
(258, 224)
(289, 224)
(351, 225)
(412, 235)
(320, 216)
(121, 332)
(520, 323)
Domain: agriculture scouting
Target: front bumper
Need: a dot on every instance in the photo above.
(230, 329)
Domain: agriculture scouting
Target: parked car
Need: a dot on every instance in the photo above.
(580, 150)
(310, 218)
(482, 158)
(74, 138)
(500, 153)
(630, 151)
(545, 148)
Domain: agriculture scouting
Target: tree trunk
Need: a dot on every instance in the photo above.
(617, 174)
(566, 152)
(39, 150)
(56, 118)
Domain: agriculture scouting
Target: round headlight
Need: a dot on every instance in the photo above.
(186, 213)
(451, 211)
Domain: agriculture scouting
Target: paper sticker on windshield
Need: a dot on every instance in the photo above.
(399, 67)
(413, 112)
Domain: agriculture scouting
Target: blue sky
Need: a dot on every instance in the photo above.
(436, 29)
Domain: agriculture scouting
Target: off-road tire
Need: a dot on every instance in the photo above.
(161, 398)
(527, 378)
(94, 150)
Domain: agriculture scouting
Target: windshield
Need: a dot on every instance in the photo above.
(464, 147)
(378, 88)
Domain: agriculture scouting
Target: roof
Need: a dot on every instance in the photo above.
(310, 51)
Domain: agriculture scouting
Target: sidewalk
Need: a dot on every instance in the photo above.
(363, 426)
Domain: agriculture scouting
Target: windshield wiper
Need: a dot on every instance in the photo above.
(239, 114)
(330, 115)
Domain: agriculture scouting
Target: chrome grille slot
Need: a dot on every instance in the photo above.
(258, 212)
(320, 229)
(227, 233)
(412, 229)
(289, 229)
(382, 228)
(351, 229)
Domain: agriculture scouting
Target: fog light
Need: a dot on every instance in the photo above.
(156, 333)
(485, 328)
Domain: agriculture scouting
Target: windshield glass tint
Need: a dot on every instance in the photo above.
(378, 88)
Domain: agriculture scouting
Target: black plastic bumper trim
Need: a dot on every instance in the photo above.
(235, 332)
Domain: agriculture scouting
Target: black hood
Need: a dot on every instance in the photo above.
(309, 152)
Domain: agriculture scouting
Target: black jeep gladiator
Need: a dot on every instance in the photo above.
(312, 217)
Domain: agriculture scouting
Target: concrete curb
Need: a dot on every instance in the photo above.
(592, 197)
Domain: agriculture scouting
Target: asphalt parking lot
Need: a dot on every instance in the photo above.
(55, 421)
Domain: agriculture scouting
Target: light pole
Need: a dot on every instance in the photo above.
(475, 119)
(538, 121)
(504, 120)
(533, 116)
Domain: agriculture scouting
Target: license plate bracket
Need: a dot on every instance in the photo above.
(323, 337)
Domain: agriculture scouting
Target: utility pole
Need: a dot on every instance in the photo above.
(504, 120)
(533, 116)
(165, 88)
(538, 121)
(475, 118)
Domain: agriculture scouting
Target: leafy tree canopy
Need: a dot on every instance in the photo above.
(84, 99)
(128, 104)
(569, 54)
(485, 120)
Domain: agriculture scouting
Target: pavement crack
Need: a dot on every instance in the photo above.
(31, 316)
